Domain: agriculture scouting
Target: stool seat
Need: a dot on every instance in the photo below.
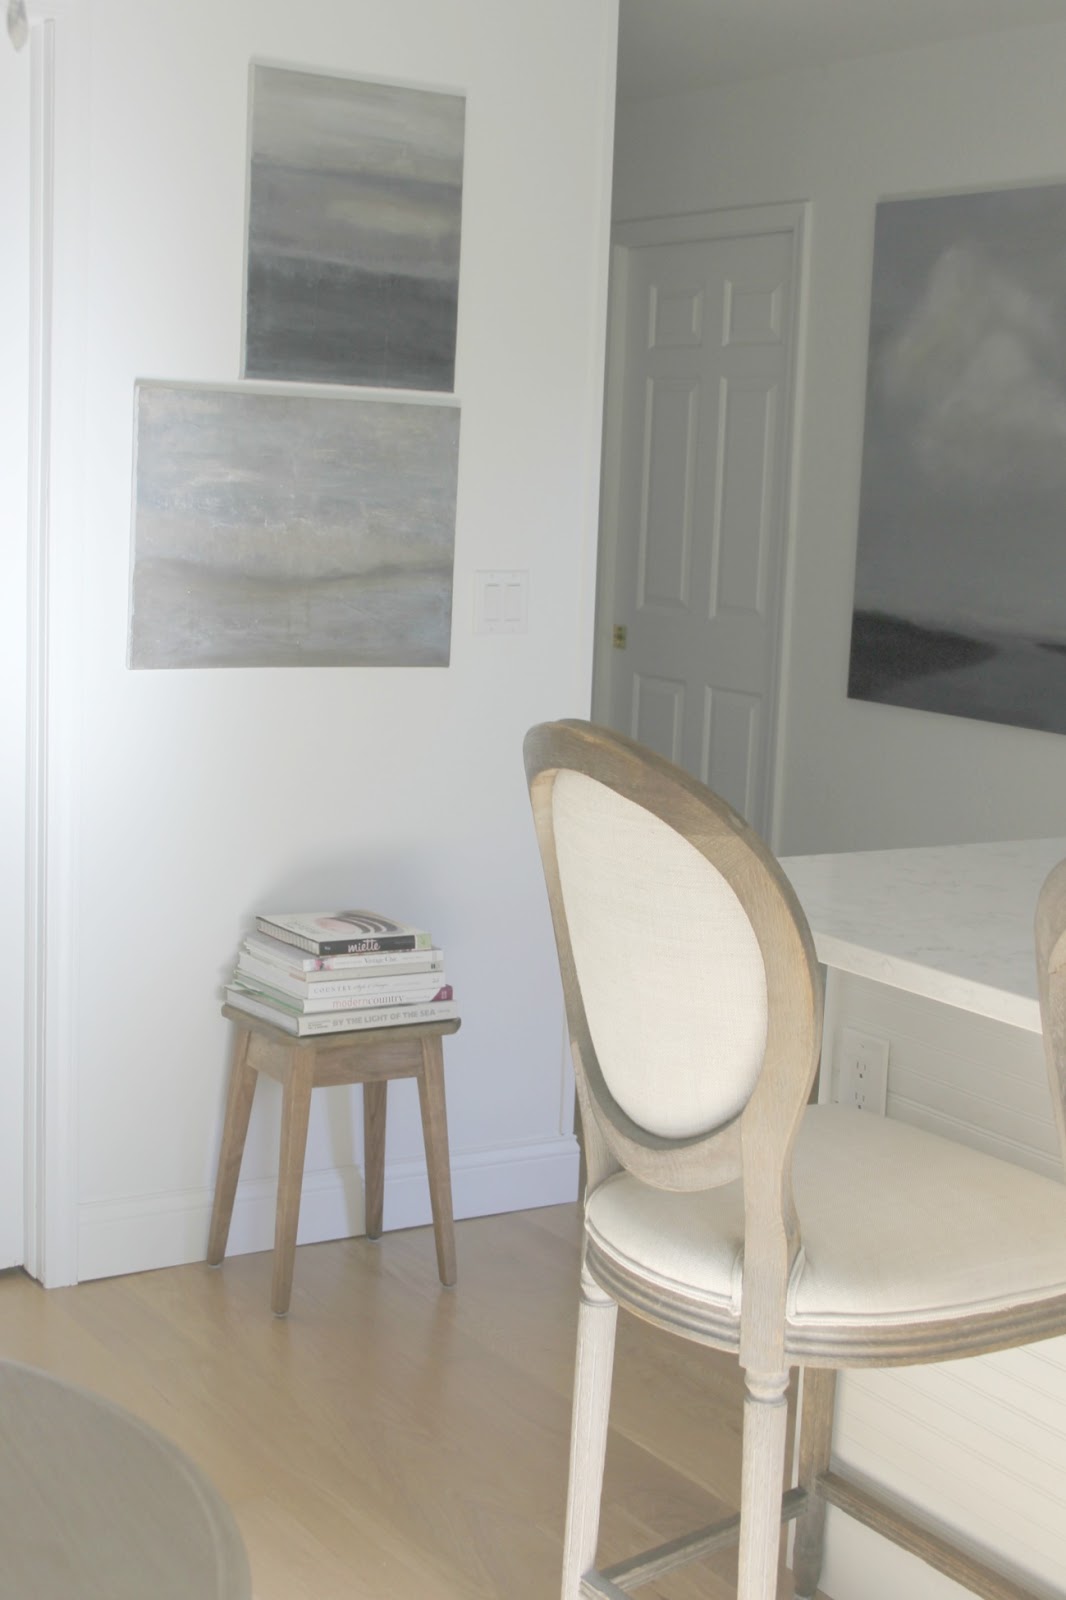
(370, 1056)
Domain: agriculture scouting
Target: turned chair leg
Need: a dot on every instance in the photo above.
(762, 1479)
(234, 1132)
(597, 1320)
(815, 1445)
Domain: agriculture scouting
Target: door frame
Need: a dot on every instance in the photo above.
(791, 217)
(58, 53)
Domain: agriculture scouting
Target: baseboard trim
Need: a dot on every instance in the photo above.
(143, 1232)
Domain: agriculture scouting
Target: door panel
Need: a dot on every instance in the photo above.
(744, 502)
(752, 315)
(676, 319)
(657, 715)
(730, 745)
(671, 431)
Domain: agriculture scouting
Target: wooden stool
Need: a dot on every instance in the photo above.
(370, 1057)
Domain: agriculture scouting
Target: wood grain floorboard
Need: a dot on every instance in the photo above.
(395, 1440)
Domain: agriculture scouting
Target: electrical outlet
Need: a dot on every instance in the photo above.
(862, 1071)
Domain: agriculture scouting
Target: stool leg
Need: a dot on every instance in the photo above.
(375, 1091)
(234, 1132)
(435, 1134)
(295, 1109)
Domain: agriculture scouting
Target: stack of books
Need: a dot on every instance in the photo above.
(336, 971)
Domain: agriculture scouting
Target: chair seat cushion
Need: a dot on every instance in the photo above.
(898, 1226)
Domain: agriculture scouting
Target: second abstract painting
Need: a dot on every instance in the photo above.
(278, 530)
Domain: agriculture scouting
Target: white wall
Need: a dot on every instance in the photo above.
(972, 115)
(202, 796)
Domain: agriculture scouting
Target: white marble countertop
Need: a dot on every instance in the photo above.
(952, 922)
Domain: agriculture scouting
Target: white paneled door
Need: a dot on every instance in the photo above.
(695, 502)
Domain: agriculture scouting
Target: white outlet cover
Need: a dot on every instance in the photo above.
(862, 1071)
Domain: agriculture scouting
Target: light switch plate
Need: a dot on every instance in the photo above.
(501, 602)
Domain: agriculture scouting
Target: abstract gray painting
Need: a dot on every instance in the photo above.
(354, 201)
(281, 530)
(961, 575)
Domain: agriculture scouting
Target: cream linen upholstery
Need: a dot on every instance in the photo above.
(721, 1206)
(670, 970)
(898, 1227)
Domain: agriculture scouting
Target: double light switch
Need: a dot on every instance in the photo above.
(501, 602)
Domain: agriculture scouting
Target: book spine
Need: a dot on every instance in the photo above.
(338, 1021)
(345, 947)
(383, 958)
(387, 983)
(385, 995)
(396, 1016)
(379, 963)
(334, 980)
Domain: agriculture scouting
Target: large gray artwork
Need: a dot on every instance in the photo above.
(278, 530)
(355, 194)
(960, 589)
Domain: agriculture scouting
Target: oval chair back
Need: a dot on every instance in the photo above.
(692, 990)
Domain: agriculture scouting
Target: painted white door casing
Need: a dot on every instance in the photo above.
(14, 479)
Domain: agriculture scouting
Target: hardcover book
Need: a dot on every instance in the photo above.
(370, 964)
(382, 994)
(341, 1021)
(308, 986)
(342, 933)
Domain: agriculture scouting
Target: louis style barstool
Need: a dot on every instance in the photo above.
(720, 1204)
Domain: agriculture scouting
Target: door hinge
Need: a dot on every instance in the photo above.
(618, 636)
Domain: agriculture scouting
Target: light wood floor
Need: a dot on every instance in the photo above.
(392, 1439)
